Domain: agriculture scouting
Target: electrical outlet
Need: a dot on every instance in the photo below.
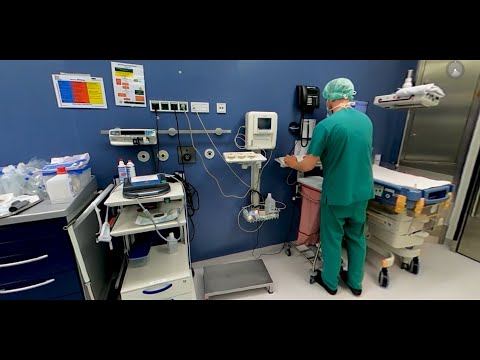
(168, 106)
(165, 106)
(173, 106)
(183, 106)
(186, 155)
(200, 107)
(221, 108)
(154, 105)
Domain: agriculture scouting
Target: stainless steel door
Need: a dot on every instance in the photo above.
(435, 137)
(469, 244)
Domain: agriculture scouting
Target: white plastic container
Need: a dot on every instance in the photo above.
(60, 188)
(269, 204)
(131, 169)
(172, 244)
(80, 177)
(122, 171)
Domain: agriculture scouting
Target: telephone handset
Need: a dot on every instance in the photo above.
(308, 98)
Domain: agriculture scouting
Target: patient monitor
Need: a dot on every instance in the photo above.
(260, 130)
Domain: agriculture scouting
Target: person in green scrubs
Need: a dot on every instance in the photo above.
(343, 143)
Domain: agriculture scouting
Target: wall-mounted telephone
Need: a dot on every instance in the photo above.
(308, 98)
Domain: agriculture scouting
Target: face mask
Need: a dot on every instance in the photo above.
(344, 105)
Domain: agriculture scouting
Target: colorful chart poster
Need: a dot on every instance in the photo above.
(79, 91)
(129, 85)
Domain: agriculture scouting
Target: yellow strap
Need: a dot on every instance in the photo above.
(419, 206)
(400, 204)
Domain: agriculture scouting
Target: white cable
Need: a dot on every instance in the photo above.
(241, 137)
(146, 212)
(288, 177)
(208, 172)
(263, 167)
(284, 206)
(309, 198)
(247, 231)
(187, 235)
(206, 132)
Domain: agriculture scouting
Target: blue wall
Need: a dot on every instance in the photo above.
(30, 116)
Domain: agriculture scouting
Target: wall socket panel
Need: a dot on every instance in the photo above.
(221, 108)
(200, 107)
(169, 105)
(186, 155)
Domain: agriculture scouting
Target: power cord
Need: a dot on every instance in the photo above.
(226, 163)
(284, 243)
(206, 169)
(293, 147)
(155, 157)
(241, 137)
(288, 177)
(302, 118)
(190, 191)
(240, 226)
(291, 171)
(149, 215)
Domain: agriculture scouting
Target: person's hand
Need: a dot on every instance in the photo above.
(290, 161)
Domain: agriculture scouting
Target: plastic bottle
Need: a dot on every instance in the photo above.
(172, 243)
(59, 188)
(131, 169)
(269, 204)
(122, 171)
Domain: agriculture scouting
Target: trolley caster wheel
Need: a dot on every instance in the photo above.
(405, 266)
(383, 279)
(312, 279)
(415, 266)
(288, 252)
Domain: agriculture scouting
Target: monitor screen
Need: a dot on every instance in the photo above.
(264, 124)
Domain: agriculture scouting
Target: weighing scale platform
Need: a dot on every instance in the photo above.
(235, 277)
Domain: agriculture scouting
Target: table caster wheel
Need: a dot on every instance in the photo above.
(312, 279)
(288, 252)
(193, 273)
(415, 266)
(383, 279)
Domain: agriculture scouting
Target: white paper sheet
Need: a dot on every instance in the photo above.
(406, 180)
(79, 91)
(129, 85)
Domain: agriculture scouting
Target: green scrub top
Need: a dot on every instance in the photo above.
(343, 141)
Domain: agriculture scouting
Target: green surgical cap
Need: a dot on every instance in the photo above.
(341, 88)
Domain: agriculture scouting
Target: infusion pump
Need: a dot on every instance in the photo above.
(260, 130)
(131, 137)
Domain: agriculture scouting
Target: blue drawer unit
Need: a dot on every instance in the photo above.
(37, 261)
(75, 296)
(42, 288)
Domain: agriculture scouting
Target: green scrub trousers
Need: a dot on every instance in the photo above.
(337, 224)
(343, 141)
